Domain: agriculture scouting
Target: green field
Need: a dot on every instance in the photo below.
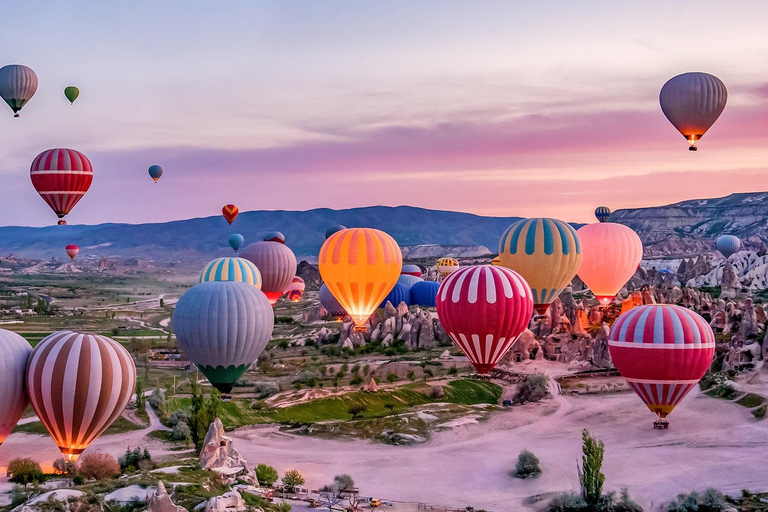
(119, 426)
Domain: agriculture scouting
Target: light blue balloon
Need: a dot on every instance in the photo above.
(236, 240)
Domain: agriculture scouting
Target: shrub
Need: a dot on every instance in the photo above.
(527, 465)
(157, 400)
(62, 466)
(710, 501)
(181, 431)
(78, 480)
(453, 370)
(750, 400)
(569, 502)
(266, 475)
(759, 413)
(134, 460)
(292, 479)
(532, 389)
(356, 380)
(356, 410)
(265, 389)
(435, 392)
(180, 416)
(25, 471)
(98, 466)
(591, 477)
(392, 377)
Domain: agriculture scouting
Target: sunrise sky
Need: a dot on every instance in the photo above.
(496, 108)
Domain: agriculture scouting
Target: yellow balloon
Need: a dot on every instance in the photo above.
(360, 266)
(447, 266)
(546, 252)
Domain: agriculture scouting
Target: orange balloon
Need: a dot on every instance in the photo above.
(611, 254)
(360, 266)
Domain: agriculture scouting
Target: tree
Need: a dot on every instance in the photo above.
(214, 406)
(141, 401)
(62, 466)
(527, 465)
(25, 471)
(590, 476)
(266, 475)
(135, 460)
(157, 400)
(98, 466)
(329, 500)
(162, 302)
(198, 420)
(356, 410)
(292, 479)
(342, 484)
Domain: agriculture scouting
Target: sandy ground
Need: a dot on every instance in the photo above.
(710, 443)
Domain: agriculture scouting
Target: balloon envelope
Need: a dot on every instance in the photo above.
(235, 241)
(277, 265)
(78, 385)
(329, 302)
(692, 102)
(295, 289)
(610, 256)
(728, 245)
(17, 86)
(662, 351)
(274, 236)
(411, 270)
(14, 355)
(71, 93)
(231, 269)
(399, 293)
(546, 252)
(484, 309)
(408, 280)
(223, 326)
(155, 172)
(445, 266)
(229, 212)
(62, 177)
(333, 229)
(72, 251)
(424, 293)
(360, 266)
(602, 213)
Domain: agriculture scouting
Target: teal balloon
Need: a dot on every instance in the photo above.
(235, 241)
(155, 172)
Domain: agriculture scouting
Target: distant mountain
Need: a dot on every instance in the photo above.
(204, 238)
(691, 227)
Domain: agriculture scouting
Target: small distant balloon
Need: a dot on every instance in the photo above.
(230, 212)
(295, 289)
(275, 236)
(602, 213)
(155, 172)
(728, 245)
(236, 240)
(72, 251)
(333, 229)
(71, 93)
(17, 86)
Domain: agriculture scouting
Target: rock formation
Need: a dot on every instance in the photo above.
(230, 501)
(219, 452)
(161, 501)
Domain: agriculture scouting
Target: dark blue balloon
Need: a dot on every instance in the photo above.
(400, 293)
(155, 172)
(330, 303)
(333, 229)
(424, 293)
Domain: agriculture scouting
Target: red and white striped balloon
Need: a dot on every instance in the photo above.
(484, 309)
(62, 177)
(662, 351)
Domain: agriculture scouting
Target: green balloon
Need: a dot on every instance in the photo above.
(71, 93)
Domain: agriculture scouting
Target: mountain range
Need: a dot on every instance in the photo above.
(680, 229)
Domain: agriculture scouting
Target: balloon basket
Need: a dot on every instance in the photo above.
(661, 424)
(62, 222)
(226, 398)
(361, 328)
(693, 148)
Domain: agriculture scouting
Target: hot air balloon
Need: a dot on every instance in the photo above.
(329, 302)
(728, 245)
(411, 270)
(235, 240)
(17, 86)
(496, 261)
(408, 280)
(155, 172)
(662, 351)
(231, 269)
(399, 293)
(333, 229)
(692, 102)
(62, 177)
(424, 293)
(360, 266)
(546, 252)
(446, 266)
(277, 265)
(78, 385)
(72, 251)
(72, 93)
(14, 354)
(223, 327)
(295, 289)
(484, 309)
(610, 255)
(274, 236)
(602, 213)
(229, 212)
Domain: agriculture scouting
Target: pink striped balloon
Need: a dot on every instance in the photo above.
(662, 351)
(484, 309)
(62, 177)
(78, 385)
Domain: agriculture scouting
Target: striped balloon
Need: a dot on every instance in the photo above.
(662, 351)
(78, 385)
(602, 213)
(360, 266)
(445, 266)
(546, 252)
(484, 309)
(223, 327)
(230, 212)
(231, 269)
(277, 265)
(62, 177)
(692, 102)
(14, 355)
(17, 86)
(274, 236)
(411, 270)
(295, 289)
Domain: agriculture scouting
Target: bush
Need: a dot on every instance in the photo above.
(266, 475)
(24, 471)
(725, 391)
(356, 410)
(533, 389)
(759, 413)
(134, 460)
(265, 389)
(750, 400)
(62, 466)
(710, 501)
(180, 416)
(356, 379)
(98, 466)
(435, 392)
(392, 377)
(78, 480)
(181, 431)
(527, 465)
(569, 502)
(292, 479)
(157, 400)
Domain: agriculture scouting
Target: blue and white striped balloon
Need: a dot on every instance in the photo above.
(231, 269)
